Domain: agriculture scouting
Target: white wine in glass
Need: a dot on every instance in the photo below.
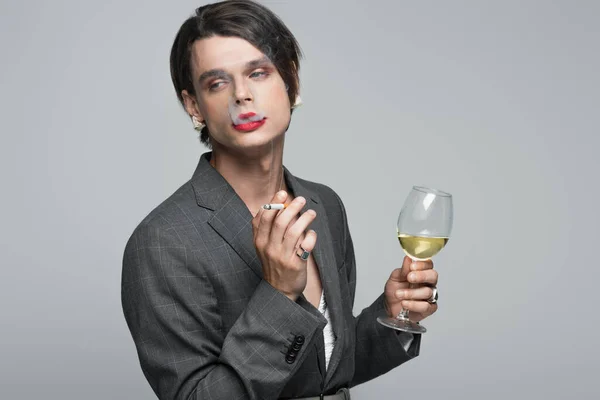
(424, 227)
(421, 248)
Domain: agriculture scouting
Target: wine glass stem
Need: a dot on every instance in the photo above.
(403, 315)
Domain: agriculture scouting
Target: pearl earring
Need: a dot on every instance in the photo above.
(197, 124)
(298, 102)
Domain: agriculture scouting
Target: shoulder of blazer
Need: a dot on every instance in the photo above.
(171, 210)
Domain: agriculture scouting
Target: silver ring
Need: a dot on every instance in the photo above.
(434, 296)
(305, 254)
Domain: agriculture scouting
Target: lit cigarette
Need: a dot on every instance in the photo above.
(274, 206)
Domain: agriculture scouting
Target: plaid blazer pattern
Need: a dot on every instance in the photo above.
(207, 326)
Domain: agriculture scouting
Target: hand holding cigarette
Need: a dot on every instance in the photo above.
(277, 241)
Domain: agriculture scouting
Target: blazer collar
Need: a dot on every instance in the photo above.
(211, 189)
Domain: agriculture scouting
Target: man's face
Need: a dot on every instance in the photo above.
(234, 80)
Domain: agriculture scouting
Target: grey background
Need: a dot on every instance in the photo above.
(496, 102)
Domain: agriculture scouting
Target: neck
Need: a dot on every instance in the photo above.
(255, 178)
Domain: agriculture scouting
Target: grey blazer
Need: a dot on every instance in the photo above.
(207, 326)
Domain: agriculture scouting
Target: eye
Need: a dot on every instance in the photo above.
(216, 85)
(259, 74)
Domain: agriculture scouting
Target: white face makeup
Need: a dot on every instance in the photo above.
(242, 99)
(248, 95)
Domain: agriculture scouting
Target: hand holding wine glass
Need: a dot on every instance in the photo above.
(424, 227)
(404, 293)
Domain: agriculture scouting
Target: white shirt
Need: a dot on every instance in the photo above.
(327, 331)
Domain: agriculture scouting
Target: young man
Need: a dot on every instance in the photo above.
(224, 298)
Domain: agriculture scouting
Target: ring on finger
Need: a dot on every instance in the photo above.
(304, 254)
(434, 296)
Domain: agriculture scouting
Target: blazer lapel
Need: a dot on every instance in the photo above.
(231, 218)
(325, 259)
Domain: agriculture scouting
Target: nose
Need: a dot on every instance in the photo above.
(243, 95)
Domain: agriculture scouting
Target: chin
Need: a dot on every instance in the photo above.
(260, 137)
(256, 139)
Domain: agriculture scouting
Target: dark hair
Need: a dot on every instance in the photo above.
(247, 20)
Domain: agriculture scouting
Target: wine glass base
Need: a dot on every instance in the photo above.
(403, 325)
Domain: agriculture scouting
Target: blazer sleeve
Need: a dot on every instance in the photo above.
(378, 349)
(174, 319)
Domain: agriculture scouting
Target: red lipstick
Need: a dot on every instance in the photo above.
(250, 126)
(247, 115)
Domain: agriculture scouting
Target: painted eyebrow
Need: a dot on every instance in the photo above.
(219, 73)
(260, 62)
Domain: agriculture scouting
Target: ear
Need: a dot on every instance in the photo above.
(191, 105)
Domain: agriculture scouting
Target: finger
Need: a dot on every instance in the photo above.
(412, 272)
(427, 277)
(310, 241)
(421, 307)
(421, 265)
(421, 293)
(256, 220)
(297, 229)
(282, 221)
(265, 222)
(406, 263)
(400, 274)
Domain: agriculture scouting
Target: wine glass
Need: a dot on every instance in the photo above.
(424, 227)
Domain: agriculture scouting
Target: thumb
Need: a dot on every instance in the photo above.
(401, 274)
(280, 197)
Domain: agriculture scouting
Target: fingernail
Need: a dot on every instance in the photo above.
(412, 277)
(413, 266)
(300, 200)
(399, 294)
(280, 194)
